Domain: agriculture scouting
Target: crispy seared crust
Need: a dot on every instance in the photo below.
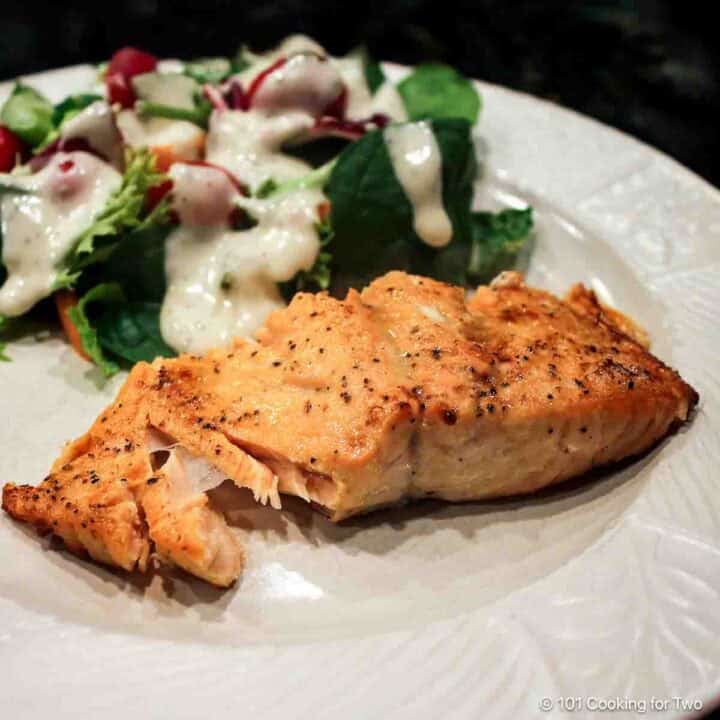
(398, 392)
(88, 499)
(585, 302)
(104, 498)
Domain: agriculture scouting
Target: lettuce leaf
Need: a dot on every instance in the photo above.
(122, 325)
(316, 178)
(28, 114)
(208, 70)
(116, 332)
(124, 212)
(8, 187)
(199, 115)
(497, 240)
(242, 60)
(435, 91)
(107, 293)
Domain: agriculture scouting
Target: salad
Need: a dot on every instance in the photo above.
(177, 204)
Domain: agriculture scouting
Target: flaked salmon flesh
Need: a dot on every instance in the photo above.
(404, 390)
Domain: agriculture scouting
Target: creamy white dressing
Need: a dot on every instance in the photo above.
(305, 83)
(285, 235)
(202, 195)
(223, 283)
(284, 109)
(184, 138)
(417, 164)
(298, 43)
(389, 101)
(172, 89)
(360, 102)
(291, 45)
(40, 227)
(249, 144)
(170, 65)
(197, 313)
(96, 125)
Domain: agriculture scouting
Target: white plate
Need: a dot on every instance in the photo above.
(604, 590)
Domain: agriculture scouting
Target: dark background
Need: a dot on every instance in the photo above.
(647, 67)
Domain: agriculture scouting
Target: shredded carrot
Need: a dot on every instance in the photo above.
(64, 300)
(323, 210)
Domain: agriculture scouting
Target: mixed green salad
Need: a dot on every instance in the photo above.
(176, 204)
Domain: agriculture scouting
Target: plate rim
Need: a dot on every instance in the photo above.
(84, 641)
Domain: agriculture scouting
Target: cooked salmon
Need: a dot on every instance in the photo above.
(401, 391)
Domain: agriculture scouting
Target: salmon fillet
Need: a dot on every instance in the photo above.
(401, 391)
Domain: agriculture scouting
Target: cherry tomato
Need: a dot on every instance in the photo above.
(124, 65)
(129, 62)
(11, 148)
(156, 193)
(119, 91)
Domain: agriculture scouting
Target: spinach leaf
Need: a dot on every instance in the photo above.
(497, 239)
(374, 75)
(370, 215)
(137, 263)
(372, 219)
(105, 293)
(72, 106)
(132, 331)
(28, 114)
(438, 91)
(125, 326)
